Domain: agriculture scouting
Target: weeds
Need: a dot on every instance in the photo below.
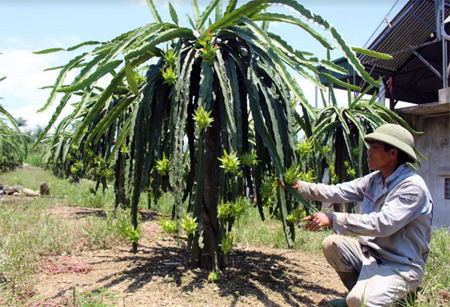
(127, 231)
(249, 229)
(436, 285)
(28, 234)
(99, 298)
(103, 228)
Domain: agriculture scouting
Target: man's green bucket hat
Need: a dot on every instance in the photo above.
(396, 136)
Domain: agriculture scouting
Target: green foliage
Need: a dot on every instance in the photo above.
(308, 176)
(13, 147)
(202, 118)
(173, 13)
(21, 248)
(169, 226)
(170, 57)
(238, 206)
(250, 230)
(169, 76)
(296, 215)
(249, 158)
(209, 49)
(230, 162)
(227, 243)
(304, 147)
(214, 276)
(124, 150)
(28, 234)
(102, 168)
(162, 166)
(128, 231)
(351, 173)
(169, 71)
(436, 283)
(76, 168)
(268, 191)
(189, 224)
(76, 195)
(131, 78)
(372, 53)
(99, 298)
(292, 174)
(223, 210)
(232, 209)
(98, 231)
(334, 177)
(165, 203)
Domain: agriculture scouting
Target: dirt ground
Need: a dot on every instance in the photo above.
(160, 275)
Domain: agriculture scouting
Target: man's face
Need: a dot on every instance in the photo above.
(377, 157)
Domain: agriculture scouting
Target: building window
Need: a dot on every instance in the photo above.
(447, 188)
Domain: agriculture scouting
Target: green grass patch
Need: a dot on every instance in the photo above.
(80, 194)
(436, 284)
(28, 233)
(249, 229)
(99, 298)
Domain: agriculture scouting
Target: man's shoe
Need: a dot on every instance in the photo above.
(340, 302)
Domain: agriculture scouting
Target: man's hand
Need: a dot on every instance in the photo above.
(294, 185)
(318, 220)
(280, 182)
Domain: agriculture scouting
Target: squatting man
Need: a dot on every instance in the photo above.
(388, 261)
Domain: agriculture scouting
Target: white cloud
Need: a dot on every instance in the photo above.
(21, 92)
(25, 75)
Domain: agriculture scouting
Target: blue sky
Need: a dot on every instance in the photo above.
(32, 25)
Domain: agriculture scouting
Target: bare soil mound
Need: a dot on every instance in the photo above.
(160, 275)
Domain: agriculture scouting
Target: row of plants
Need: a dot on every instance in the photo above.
(13, 147)
(215, 119)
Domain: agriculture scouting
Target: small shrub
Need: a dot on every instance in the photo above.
(214, 276)
(126, 230)
(169, 226)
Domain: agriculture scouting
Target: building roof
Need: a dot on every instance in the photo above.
(414, 25)
(413, 38)
(426, 109)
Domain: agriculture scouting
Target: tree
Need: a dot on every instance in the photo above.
(21, 122)
(204, 90)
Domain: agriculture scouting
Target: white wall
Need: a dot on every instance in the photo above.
(434, 144)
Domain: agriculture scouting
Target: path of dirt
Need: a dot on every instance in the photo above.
(159, 275)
